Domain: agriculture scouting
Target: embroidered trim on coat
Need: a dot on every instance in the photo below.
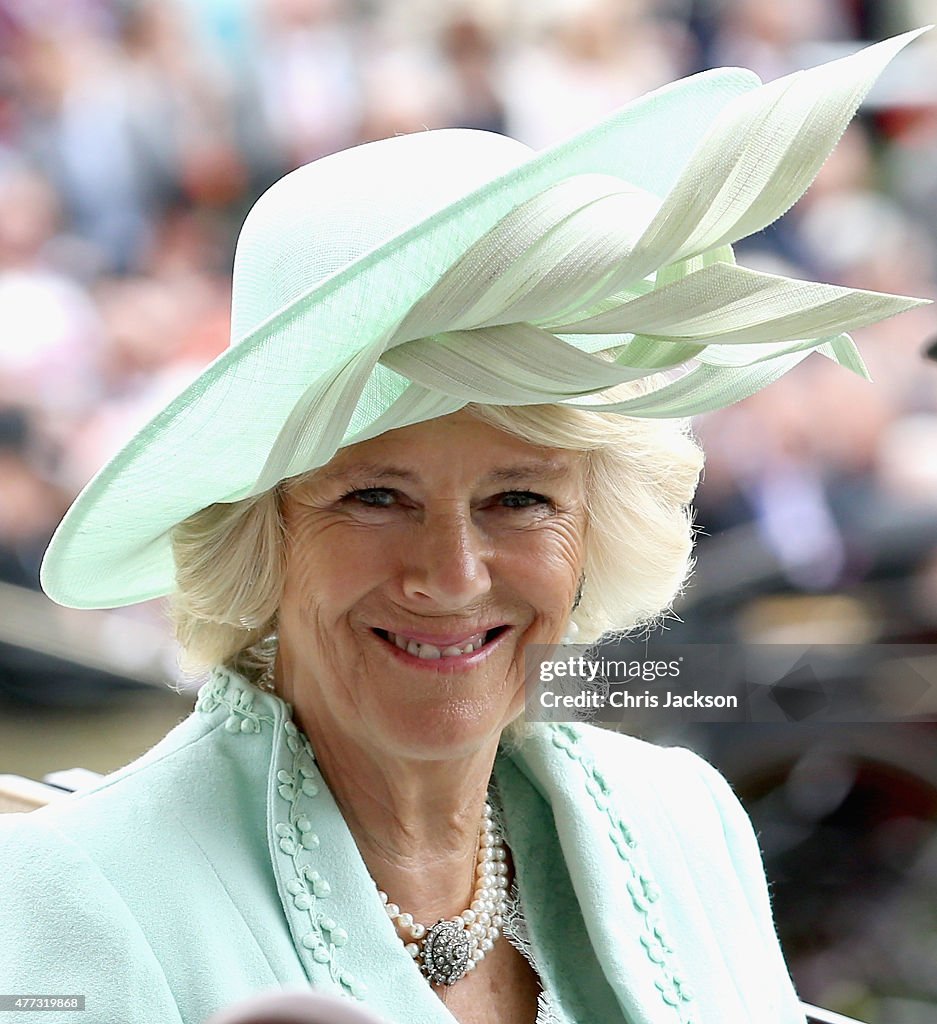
(294, 832)
(642, 888)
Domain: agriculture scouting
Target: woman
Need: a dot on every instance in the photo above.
(411, 464)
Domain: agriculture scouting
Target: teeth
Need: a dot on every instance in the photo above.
(429, 652)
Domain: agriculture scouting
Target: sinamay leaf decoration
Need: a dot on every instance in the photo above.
(670, 297)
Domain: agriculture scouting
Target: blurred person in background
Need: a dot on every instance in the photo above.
(469, 45)
(585, 58)
(51, 338)
(307, 76)
(767, 37)
(29, 503)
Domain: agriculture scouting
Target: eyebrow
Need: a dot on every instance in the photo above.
(369, 469)
(542, 469)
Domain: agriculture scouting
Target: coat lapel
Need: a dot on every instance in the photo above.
(341, 931)
(559, 940)
(595, 912)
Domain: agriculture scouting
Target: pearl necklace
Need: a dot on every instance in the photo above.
(451, 948)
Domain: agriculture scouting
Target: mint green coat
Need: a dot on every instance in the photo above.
(218, 865)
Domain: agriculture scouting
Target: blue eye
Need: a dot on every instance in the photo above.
(523, 499)
(372, 497)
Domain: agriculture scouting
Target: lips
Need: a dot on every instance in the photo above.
(438, 648)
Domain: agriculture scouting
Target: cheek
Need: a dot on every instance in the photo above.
(564, 542)
(330, 565)
(550, 559)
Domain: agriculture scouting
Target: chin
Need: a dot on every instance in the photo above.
(455, 730)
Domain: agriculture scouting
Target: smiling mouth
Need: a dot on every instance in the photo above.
(430, 652)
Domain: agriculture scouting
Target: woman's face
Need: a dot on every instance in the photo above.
(419, 565)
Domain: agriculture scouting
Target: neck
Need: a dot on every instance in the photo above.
(415, 821)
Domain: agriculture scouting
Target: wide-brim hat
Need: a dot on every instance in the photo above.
(400, 280)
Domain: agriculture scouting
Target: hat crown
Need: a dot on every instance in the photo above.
(325, 215)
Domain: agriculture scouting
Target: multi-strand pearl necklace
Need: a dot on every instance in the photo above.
(453, 947)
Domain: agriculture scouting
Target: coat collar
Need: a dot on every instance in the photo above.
(602, 960)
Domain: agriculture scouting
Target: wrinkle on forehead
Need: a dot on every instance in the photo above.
(548, 468)
(459, 442)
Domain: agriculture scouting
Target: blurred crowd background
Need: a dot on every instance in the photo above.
(134, 135)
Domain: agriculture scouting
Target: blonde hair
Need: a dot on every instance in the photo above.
(640, 480)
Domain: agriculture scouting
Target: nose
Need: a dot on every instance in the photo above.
(447, 566)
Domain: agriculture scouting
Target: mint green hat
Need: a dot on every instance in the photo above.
(400, 280)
